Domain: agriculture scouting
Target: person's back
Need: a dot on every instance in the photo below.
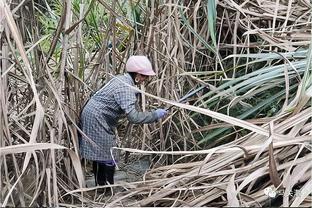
(113, 100)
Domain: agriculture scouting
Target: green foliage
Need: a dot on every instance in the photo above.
(187, 24)
(48, 18)
(212, 18)
(258, 94)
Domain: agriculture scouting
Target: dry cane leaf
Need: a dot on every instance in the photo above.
(77, 167)
(272, 164)
(1, 14)
(256, 174)
(20, 148)
(298, 172)
(231, 193)
(303, 193)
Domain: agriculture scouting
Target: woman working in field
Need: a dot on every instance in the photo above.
(100, 115)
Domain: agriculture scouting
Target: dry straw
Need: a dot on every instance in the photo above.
(246, 139)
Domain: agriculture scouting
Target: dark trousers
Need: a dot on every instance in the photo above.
(103, 174)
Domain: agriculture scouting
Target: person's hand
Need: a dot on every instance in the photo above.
(161, 113)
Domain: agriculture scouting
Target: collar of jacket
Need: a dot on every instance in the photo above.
(130, 78)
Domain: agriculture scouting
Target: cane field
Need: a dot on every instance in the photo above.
(244, 139)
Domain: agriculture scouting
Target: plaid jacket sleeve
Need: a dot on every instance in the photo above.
(142, 117)
(126, 98)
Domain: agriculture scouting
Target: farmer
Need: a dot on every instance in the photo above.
(100, 115)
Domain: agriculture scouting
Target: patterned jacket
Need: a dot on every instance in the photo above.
(100, 115)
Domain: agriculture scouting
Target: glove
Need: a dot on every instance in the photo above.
(161, 113)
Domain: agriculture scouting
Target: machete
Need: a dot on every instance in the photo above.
(188, 95)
